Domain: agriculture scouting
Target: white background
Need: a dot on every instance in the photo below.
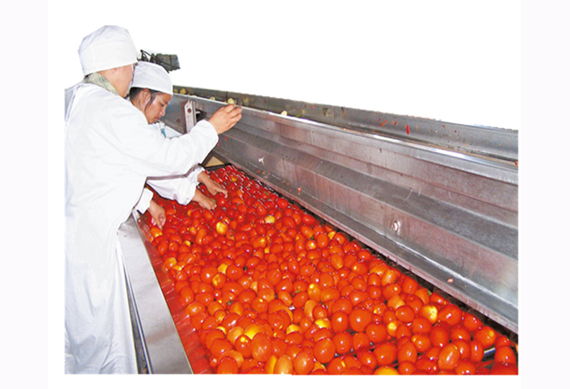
(457, 61)
(447, 60)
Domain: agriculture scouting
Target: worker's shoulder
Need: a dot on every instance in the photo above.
(101, 100)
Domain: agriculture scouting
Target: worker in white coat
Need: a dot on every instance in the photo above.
(151, 92)
(109, 153)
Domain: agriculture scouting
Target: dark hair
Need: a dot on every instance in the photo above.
(136, 90)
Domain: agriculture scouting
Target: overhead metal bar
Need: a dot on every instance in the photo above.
(480, 140)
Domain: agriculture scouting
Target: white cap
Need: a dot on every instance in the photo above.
(107, 48)
(152, 76)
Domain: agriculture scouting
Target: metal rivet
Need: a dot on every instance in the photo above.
(395, 226)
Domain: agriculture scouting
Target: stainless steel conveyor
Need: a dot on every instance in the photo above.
(439, 199)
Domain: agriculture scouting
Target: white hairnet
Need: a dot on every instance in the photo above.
(152, 76)
(107, 48)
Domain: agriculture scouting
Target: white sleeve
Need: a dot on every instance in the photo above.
(179, 188)
(153, 155)
(144, 201)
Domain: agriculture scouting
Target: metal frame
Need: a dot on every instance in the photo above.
(160, 345)
(445, 211)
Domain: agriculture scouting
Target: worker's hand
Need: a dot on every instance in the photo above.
(212, 186)
(225, 118)
(204, 201)
(158, 214)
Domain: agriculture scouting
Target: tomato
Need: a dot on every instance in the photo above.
(408, 353)
(208, 274)
(186, 295)
(405, 313)
(243, 345)
(237, 356)
(406, 368)
(477, 351)
(504, 369)
(459, 332)
(422, 342)
(339, 322)
(284, 365)
(409, 285)
(486, 336)
(324, 350)
(465, 367)
(220, 346)
(450, 314)
(342, 342)
(336, 367)
(386, 370)
(282, 203)
(439, 336)
(386, 353)
(449, 356)
(227, 365)
(367, 358)
(464, 347)
(421, 325)
(359, 318)
(303, 362)
(195, 307)
(430, 312)
(261, 347)
(376, 332)
(505, 355)
(471, 322)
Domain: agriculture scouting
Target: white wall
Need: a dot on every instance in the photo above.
(457, 61)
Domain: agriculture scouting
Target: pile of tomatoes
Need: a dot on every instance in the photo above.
(267, 288)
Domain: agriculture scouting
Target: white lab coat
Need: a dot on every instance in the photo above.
(179, 188)
(109, 151)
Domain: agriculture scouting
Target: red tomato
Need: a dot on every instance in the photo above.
(465, 367)
(360, 341)
(464, 347)
(261, 347)
(408, 353)
(359, 318)
(459, 332)
(386, 353)
(282, 203)
(376, 332)
(477, 351)
(422, 342)
(227, 365)
(303, 362)
(505, 355)
(342, 342)
(486, 336)
(367, 358)
(336, 367)
(405, 313)
(220, 346)
(406, 368)
(450, 314)
(421, 325)
(504, 369)
(449, 356)
(284, 365)
(439, 336)
(243, 344)
(324, 350)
